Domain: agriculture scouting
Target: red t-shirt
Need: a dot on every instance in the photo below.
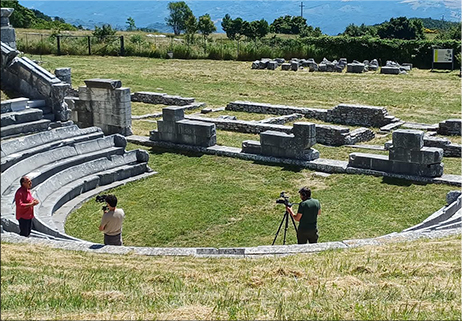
(23, 196)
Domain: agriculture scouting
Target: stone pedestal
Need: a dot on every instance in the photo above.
(8, 35)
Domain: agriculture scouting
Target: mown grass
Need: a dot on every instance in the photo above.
(212, 201)
(204, 200)
(420, 96)
(417, 280)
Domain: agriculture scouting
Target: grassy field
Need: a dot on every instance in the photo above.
(417, 280)
(420, 96)
(203, 200)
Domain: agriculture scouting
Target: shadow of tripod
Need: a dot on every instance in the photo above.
(285, 219)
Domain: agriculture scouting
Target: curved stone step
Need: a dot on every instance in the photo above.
(44, 213)
(19, 117)
(39, 143)
(16, 145)
(41, 166)
(24, 128)
(54, 183)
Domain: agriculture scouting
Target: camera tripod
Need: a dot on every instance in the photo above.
(286, 219)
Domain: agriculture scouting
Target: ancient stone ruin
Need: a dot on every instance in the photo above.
(407, 156)
(278, 144)
(103, 103)
(354, 115)
(8, 35)
(175, 129)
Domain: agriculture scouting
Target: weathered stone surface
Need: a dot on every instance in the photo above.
(64, 74)
(390, 70)
(103, 83)
(174, 128)
(272, 65)
(404, 157)
(285, 66)
(450, 127)
(408, 139)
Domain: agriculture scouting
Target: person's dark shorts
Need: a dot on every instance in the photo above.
(113, 239)
(305, 236)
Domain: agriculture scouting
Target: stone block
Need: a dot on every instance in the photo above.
(17, 104)
(294, 65)
(64, 74)
(166, 126)
(263, 64)
(272, 65)
(103, 83)
(154, 135)
(285, 66)
(450, 127)
(251, 147)
(408, 139)
(173, 113)
(427, 155)
(196, 128)
(356, 68)
(390, 70)
(307, 154)
(381, 163)
(360, 160)
(304, 129)
(274, 138)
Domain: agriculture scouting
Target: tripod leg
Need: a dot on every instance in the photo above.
(295, 226)
(286, 217)
(276, 236)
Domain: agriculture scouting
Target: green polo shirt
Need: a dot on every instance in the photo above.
(309, 209)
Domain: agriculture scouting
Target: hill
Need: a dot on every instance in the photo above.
(339, 14)
(23, 17)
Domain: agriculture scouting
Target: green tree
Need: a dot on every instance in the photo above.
(190, 28)
(130, 24)
(281, 25)
(288, 25)
(226, 25)
(453, 33)
(105, 33)
(401, 28)
(179, 13)
(206, 26)
(353, 30)
(261, 28)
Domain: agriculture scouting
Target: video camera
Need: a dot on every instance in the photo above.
(102, 199)
(283, 199)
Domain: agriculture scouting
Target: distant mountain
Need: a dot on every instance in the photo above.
(331, 16)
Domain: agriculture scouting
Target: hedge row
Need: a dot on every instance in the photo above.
(417, 52)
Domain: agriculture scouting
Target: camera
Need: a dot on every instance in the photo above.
(102, 199)
(283, 199)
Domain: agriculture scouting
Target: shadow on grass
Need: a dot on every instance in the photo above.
(163, 150)
(400, 182)
(284, 167)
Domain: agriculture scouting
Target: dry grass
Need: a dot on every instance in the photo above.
(417, 280)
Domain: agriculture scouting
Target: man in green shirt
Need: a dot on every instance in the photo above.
(307, 216)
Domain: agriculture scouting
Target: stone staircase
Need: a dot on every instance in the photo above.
(63, 163)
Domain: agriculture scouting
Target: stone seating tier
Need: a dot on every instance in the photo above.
(14, 150)
(41, 166)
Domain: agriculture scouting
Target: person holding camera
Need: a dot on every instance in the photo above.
(307, 216)
(25, 206)
(111, 222)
